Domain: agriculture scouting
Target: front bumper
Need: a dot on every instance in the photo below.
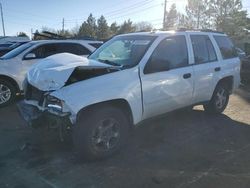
(36, 118)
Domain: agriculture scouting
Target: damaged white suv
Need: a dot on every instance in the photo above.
(130, 78)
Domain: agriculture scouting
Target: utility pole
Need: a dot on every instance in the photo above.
(2, 19)
(63, 25)
(31, 34)
(199, 15)
(164, 15)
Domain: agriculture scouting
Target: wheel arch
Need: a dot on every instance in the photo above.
(118, 103)
(11, 80)
(228, 81)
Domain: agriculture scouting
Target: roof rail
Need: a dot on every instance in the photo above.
(210, 30)
(183, 29)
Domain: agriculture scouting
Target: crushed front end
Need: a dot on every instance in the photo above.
(40, 109)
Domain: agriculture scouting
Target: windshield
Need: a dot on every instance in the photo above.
(17, 51)
(123, 50)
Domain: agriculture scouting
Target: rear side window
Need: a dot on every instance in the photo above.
(171, 53)
(76, 49)
(95, 45)
(45, 50)
(203, 49)
(226, 46)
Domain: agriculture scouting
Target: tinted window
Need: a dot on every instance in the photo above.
(203, 49)
(227, 48)
(171, 53)
(76, 49)
(95, 45)
(17, 51)
(45, 50)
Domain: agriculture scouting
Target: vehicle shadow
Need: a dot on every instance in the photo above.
(165, 150)
(244, 92)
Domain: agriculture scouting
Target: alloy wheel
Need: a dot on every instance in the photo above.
(106, 135)
(5, 94)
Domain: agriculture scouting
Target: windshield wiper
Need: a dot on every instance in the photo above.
(109, 62)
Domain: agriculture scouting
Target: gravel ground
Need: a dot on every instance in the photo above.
(186, 148)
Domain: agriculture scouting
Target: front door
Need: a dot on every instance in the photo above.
(167, 79)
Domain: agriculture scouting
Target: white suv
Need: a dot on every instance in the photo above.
(130, 78)
(15, 64)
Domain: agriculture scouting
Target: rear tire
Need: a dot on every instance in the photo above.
(7, 93)
(100, 132)
(219, 100)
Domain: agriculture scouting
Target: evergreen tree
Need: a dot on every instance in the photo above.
(114, 28)
(126, 27)
(88, 28)
(102, 28)
(171, 18)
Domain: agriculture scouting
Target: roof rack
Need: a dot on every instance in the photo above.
(201, 30)
(55, 36)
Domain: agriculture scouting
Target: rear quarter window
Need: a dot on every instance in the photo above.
(226, 46)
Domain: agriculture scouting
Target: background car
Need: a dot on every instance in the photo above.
(15, 64)
(240, 53)
(5, 48)
(245, 70)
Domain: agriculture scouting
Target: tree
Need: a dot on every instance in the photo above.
(143, 26)
(22, 34)
(184, 22)
(102, 28)
(126, 27)
(65, 33)
(196, 11)
(75, 30)
(228, 16)
(88, 28)
(45, 28)
(171, 18)
(114, 28)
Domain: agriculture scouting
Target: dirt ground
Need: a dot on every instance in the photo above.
(183, 149)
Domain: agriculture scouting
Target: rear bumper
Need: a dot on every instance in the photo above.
(36, 118)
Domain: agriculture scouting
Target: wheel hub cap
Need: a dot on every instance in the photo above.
(5, 94)
(221, 98)
(106, 135)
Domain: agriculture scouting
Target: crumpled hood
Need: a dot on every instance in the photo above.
(53, 72)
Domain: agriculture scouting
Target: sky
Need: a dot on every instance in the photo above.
(32, 15)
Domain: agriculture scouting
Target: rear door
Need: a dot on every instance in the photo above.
(229, 60)
(167, 79)
(206, 66)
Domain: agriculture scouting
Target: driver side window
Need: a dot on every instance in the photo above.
(171, 53)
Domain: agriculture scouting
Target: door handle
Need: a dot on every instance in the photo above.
(217, 69)
(186, 76)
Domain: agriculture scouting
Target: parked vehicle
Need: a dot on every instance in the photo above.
(15, 64)
(7, 47)
(130, 78)
(245, 70)
(240, 53)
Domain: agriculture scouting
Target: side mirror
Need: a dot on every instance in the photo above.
(30, 56)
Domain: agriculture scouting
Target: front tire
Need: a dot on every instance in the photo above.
(100, 132)
(7, 93)
(219, 100)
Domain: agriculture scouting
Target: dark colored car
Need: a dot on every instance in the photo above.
(245, 69)
(5, 48)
